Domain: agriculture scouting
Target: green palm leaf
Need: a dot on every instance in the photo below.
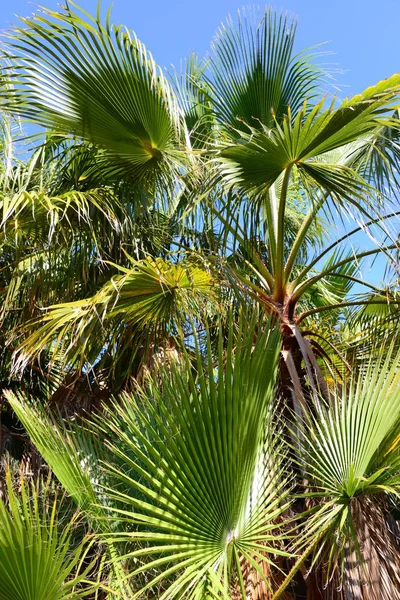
(254, 73)
(351, 460)
(37, 557)
(99, 83)
(200, 479)
(264, 155)
(152, 297)
(36, 216)
(74, 455)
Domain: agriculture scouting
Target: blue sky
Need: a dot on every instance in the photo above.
(363, 35)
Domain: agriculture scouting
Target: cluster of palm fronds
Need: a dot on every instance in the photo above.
(192, 356)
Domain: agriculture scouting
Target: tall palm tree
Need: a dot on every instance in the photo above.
(245, 146)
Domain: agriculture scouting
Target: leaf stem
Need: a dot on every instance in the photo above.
(280, 240)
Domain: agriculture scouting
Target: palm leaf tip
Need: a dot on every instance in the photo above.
(255, 75)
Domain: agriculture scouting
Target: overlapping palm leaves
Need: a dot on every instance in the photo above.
(38, 556)
(35, 221)
(243, 138)
(259, 137)
(202, 482)
(74, 455)
(264, 164)
(52, 239)
(192, 476)
(142, 307)
(301, 143)
(198, 485)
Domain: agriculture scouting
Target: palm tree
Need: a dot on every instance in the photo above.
(191, 480)
(65, 232)
(211, 509)
(241, 156)
(271, 163)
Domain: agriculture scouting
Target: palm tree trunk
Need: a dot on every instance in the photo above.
(255, 586)
(377, 576)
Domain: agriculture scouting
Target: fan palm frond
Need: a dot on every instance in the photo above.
(201, 481)
(37, 555)
(350, 459)
(152, 297)
(255, 74)
(98, 82)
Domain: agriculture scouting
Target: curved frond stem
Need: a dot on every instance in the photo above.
(368, 302)
(336, 243)
(280, 237)
(299, 291)
(272, 221)
(310, 333)
(301, 235)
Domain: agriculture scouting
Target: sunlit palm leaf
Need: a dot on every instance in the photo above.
(199, 477)
(196, 99)
(153, 297)
(37, 557)
(264, 155)
(351, 455)
(74, 455)
(100, 83)
(254, 72)
(73, 458)
(36, 216)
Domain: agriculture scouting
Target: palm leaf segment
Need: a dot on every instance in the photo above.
(199, 480)
(98, 83)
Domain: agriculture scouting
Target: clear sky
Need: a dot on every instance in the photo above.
(363, 35)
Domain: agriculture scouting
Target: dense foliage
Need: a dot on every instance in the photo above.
(197, 377)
